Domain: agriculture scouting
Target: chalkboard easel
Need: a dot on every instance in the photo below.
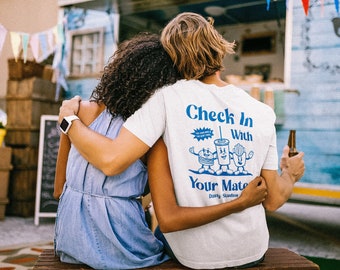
(45, 204)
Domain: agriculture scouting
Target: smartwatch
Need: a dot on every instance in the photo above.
(66, 124)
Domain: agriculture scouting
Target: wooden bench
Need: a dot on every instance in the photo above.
(275, 259)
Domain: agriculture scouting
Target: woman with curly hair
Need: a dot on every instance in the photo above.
(100, 220)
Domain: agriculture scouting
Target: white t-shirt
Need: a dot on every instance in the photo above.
(218, 140)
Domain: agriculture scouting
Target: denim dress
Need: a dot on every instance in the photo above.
(99, 220)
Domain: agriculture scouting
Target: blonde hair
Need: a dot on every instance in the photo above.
(195, 46)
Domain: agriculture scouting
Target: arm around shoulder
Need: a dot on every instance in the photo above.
(111, 156)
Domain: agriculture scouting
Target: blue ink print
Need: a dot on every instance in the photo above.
(202, 133)
(205, 158)
(222, 154)
(240, 158)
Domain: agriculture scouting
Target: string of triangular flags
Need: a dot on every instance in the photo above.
(42, 44)
(305, 4)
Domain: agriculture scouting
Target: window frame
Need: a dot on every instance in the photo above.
(97, 52)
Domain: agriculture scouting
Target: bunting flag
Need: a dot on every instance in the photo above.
(3, 33)
(43, 41)
(305, 4)
(336, 3)
(16, 42)
(268, 5)
(115, 17)
(24, 41)
(42, 44)
(34, 44)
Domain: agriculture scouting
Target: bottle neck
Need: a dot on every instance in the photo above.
(292, 144)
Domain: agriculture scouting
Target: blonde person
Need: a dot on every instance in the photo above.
(100, 220)
(218, 139)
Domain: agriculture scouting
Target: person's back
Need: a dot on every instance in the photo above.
(218, 139)
(100, 220)
(104, 217)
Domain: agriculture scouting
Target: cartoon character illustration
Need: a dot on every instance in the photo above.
(239, 157)
(223, 155)
(205, 158)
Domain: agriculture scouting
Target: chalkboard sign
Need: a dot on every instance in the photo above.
(45, 204)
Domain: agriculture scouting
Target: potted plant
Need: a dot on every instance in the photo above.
(3, 121)
(2, 133)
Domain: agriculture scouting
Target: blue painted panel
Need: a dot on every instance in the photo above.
(315, 113)
(81, 87)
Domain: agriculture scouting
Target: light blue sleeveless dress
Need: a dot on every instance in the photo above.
(99, 221)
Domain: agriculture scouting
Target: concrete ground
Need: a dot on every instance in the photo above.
(308, 230)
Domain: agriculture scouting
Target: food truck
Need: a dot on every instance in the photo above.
(287, 55)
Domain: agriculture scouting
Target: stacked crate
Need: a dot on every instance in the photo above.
(5, 167)
(26, 101)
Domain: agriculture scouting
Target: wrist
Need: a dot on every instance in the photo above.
(66, 123)
(285, 173)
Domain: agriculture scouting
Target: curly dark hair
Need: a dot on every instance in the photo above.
(134, 72)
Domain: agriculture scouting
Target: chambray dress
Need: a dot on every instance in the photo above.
(99, 221)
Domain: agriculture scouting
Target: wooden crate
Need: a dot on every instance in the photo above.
(3, 204)
(4, 182)
(22, 184)
(26, 112)
(22, 137)
(5, 157)
(18, 70)
(23, 157)
(21, 208)
(36, 88)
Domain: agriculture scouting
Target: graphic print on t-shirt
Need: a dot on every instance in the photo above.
(221, 155)
(220, 152)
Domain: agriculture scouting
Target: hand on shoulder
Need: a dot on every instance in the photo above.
(69, 107)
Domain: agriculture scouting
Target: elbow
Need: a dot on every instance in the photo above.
(168, 223)
(273, 205)
(110, 166)
(270, 207)
(167, 227)
(56, 195)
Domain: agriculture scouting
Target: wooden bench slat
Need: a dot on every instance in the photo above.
(275, 259)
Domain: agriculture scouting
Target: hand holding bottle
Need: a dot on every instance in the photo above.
(294, 166)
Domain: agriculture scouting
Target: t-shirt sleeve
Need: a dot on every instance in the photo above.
(271, 161)
(148, 123)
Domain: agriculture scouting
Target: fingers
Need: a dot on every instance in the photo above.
(69, 107)
(285, 151)
(76, 98)
(258, 181)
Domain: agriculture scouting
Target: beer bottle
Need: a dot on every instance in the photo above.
(292, 144)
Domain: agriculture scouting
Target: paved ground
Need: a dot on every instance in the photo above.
(308, 230)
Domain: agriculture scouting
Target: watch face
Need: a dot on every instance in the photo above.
(64, 124)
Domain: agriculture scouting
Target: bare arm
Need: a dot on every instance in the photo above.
(280, 187)
(88, 111)
(110, 156)
(60, 172)
(172, 217)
